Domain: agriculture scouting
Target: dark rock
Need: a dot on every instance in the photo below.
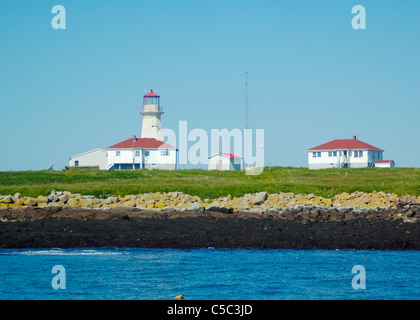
(220, 209)
(314, 214)
(289, 214)
(325, 214)
(336, 216)
(350, 216)
(411, 213)
(37, 228)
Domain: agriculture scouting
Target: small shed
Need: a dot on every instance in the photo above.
(96, 158)
(225, 162)
(384, 164)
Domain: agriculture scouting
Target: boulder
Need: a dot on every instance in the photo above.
(86, 203)
(40, 199)
(29, 201)
(411, 213)
(17, 196)
(52, 198)
(220, 209)
(110, 200)
(130, 203)
(63, 198)
(195, 207)
(260, 198)
(7, 199)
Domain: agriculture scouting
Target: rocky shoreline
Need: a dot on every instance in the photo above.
(262, 202)
(123, 227)
(175, 220)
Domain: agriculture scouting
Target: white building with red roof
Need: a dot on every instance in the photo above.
(384, 164)
(344, 153)
(225, 162)
(148, 151)
(142, 153)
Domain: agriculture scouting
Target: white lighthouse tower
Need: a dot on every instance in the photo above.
(151, 112)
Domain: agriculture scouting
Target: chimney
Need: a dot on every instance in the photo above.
(354, 137)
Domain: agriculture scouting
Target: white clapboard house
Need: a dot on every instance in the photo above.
(344, 153)
(142, 153)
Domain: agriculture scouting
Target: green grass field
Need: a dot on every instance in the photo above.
(212, 184)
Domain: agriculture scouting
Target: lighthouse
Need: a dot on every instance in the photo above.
(147, 152)
(151, 112)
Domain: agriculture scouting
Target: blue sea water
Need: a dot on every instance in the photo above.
(210, 274)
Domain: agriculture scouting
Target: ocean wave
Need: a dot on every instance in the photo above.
(62, 252)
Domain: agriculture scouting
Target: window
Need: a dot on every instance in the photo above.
(341, 153)
(360, 154)
(76, 163)
(319, 154)
(137, 153)
(147, 153)
(330, 153)
(334, 153)
(349, 153)
(313, 154)
(117, 153)
(164, 153)
(356, 154)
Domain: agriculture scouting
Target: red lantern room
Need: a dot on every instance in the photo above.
(151, 98)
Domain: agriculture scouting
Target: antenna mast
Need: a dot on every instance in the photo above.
(246, 100)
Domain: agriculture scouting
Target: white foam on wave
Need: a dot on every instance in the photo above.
(65, 252)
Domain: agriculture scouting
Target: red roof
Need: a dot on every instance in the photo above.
(228, 155)
(384, 161)
(151, 94)
(345, 144)
(142, 143)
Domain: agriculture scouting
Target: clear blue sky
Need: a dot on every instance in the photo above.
(312, 78)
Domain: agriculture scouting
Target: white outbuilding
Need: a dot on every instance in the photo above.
(384, 164)
(225, 162)
(96, 158)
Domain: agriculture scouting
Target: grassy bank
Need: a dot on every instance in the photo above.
(206, 184)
